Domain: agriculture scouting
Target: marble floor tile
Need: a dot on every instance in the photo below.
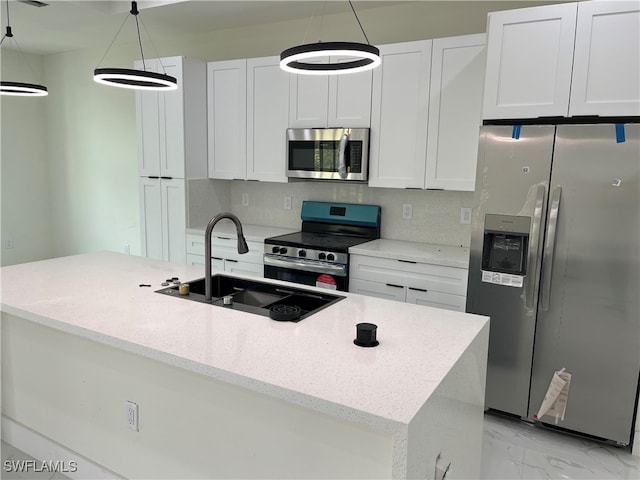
(518, 450)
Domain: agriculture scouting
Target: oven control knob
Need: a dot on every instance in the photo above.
(321, 256)
(331, 257)
(283, 250)
(275, 249)
(302, 253)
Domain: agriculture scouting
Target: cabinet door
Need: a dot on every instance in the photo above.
(430, 298)
(172, 160)
(244, 268)
(148, 126)
(160, 123)
(455, 112)
(226, 113)
(349, 98)
(309, 96)
(529, 58)
(173, 220)
(267, 119)
(399, 115)
(151, 217)
(379, 290)
(606, 65)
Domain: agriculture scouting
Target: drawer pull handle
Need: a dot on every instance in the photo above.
(231, 260)
(224, 238)
(406, 261)
(418, 289)
(395, 286)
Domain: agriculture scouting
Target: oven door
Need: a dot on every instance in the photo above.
(307, 272)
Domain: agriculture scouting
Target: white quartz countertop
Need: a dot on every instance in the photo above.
(253, 233)
(445, 255)
(313, 363)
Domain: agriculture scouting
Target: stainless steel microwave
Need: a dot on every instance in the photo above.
(340, 154)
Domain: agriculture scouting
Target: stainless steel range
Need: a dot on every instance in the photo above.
(318, 255)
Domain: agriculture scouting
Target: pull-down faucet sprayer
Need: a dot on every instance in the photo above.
(242, 248)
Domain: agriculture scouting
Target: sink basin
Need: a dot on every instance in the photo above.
(278, 302)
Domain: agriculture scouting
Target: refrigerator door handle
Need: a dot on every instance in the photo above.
(549, 247)
(532, 259)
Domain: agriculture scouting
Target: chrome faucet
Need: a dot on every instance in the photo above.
(242, 248)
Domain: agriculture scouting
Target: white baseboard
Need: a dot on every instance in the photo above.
(45, 449)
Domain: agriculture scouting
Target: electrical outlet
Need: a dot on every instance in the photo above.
(8, 243)
(127, 249)
(245, 199)
(132, 415)
(407, 211)
(287, 202)
(465, 216)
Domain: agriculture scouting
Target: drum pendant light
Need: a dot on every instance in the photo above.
(21, 89)
(134, 79)
(363, 56)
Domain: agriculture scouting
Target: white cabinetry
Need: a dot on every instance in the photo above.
(606, 63)
(320, 101)
(227, 119)
(248, 108)
(399, 114)
(412, 282)
(455, 112)
(532, 70)
(225, 256)
(171, 130)
(426, 111)
(267, 119)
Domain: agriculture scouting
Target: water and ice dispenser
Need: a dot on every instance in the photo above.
(505, 249)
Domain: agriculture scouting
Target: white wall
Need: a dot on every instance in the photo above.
(88, 200)
(25, 200)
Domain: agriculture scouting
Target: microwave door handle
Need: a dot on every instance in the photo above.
(342, 167)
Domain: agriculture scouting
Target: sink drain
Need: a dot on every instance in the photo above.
(285, 313)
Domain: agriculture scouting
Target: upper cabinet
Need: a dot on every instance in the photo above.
(267, 119)
(321, 101)
(532, 70)
(171, 125)
(227, 115)
(606, 63)
(455, 112)
(426, 114)
(248, 105)
(399, 115)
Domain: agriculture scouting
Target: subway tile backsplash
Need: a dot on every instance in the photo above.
(435, 214)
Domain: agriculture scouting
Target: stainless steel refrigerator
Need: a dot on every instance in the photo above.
(554, 262)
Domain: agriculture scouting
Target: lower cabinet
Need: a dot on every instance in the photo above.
(163, 218)
(225, 256)
(411, 282)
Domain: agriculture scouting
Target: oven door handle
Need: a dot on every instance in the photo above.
(307, 266)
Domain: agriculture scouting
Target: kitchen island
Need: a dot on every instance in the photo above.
(227, 394)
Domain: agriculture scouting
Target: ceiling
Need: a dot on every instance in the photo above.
(65, 25)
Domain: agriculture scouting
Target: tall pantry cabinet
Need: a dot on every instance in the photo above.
(172, 148)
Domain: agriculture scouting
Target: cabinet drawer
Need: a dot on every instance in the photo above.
(375, 289)
(225, 247)
(431, 298)
(408, 274)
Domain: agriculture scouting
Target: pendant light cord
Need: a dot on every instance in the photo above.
(8, 32)
(358, 20)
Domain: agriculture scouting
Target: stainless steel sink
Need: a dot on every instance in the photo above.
(253, 296)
